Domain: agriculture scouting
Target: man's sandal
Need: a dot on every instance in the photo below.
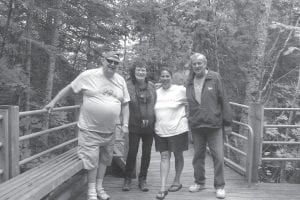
(161, 194)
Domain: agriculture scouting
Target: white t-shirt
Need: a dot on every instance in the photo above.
(102, 99)
(170, 111)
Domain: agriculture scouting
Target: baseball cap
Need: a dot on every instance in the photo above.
(112, 55)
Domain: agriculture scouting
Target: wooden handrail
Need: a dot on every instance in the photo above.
(239, 105)
(280, 126)
(238, 135)
(281, 142)
(282, 109)
(235, 149)
(36, 134)
(26, 160)
(34, 112)
(279, 159)
(248, 170)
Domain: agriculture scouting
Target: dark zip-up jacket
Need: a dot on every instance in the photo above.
(214, 110)
(139, 111)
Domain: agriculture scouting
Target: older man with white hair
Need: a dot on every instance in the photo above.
(209, 112)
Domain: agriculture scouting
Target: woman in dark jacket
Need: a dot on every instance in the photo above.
(141, 123)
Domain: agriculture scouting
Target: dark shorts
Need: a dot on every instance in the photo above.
(173, 144)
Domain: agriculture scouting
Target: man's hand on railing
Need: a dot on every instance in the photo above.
(49, 107)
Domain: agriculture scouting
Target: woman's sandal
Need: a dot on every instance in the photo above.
(175, 188)
(161, 194)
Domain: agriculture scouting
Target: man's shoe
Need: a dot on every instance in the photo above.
(92, 195)
(196, 187)
(220, 193)
(102, 194)
(126, 185)
(143, 186)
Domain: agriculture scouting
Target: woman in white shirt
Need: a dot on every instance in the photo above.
(171, 128)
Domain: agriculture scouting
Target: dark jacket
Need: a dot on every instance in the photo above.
(141, 108)
(214, 110)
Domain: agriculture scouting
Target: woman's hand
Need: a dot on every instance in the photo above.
(125, 129)
(145, 123)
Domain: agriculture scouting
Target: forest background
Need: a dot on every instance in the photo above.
(253, 44)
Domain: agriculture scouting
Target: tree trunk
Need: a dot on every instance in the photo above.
(52, 60)
(25, 149)
(253, 90)
(7, 25)
(255, 67)
(88, 47)
(52, 53)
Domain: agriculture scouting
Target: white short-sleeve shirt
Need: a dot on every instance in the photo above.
(102, 100)
(170, 111)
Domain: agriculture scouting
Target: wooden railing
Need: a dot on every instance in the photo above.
(246, 153)
(255, 120)
(10, 153)
(10, 139)
(281, 142)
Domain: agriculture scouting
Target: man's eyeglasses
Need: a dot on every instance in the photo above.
(112, 62)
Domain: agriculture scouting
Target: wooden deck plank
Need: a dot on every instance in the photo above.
(236, 185)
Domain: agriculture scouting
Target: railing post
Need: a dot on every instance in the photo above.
(14, 140)
(4, 137)
(255, 119)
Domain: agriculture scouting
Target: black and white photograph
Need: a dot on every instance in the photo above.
(149, 99)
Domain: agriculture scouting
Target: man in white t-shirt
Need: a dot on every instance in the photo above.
(105, 97)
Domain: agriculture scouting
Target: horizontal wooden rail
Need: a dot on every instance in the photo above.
(280, 126)
(34, 112)
(235, 149)
(238, 135)
(239, 105)
(279, 159)
(281, 142)
(236, 166)
(26, 137)
(282, 109)
(26, 160)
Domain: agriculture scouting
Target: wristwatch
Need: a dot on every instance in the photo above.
(125, 125)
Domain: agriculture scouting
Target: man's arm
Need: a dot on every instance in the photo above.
(125, 117)
(61, 94)
(226, 108)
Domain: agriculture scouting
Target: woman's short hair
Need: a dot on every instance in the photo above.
(137, 63)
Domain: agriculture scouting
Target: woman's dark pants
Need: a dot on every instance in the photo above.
(134, 140)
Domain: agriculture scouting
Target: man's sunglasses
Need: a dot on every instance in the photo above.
(112, 62)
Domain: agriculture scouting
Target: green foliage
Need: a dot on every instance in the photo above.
(280, 171)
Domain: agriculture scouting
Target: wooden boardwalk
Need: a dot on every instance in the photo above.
(236, 186)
